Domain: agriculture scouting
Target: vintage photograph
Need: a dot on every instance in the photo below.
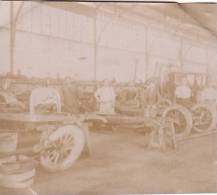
(108, 98)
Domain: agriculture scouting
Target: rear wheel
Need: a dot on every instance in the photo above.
(181, 118)
(204, 118)
(64, 146)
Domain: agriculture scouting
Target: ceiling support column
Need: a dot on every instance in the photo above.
(13, 22)
(181, 60)
(95, 45)
(146, 55)
(12, 37)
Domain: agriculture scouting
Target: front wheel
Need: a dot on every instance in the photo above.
(63, 148)
(181, 118)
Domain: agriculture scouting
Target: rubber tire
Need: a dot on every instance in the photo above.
(16, 184)
(79, 142)
(19, 177)
(214, 119)
(187, 115)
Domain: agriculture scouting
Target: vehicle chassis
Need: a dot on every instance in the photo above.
(57, 131)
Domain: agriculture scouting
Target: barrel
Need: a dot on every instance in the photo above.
(8, 141)
(19, 174)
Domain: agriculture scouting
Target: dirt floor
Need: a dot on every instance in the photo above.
(120, 163)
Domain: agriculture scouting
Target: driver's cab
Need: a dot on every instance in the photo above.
(129, 95)
(195, 81)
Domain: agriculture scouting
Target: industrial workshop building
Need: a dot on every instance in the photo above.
(111, 97)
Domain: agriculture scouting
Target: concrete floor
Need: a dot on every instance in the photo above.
(120, 163)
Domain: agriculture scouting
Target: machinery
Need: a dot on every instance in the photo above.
(156, 98)
(198, 116)
(151, 105)
(62, 136)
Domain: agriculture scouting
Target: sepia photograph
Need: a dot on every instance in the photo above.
(108, 98)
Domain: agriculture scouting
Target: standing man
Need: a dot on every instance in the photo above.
(105, 96)
(209, 93)
(151, 98)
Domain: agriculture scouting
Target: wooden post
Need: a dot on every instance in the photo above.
(181, 54)
(87, 138)
(95, 45)
(146, 54)
(208, 71)
(13, 22)
(12, 37)
(135, 70)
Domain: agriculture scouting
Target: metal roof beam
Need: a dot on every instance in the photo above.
(79, 8)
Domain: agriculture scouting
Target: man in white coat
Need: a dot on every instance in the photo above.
(209, 94)
(105, 96)
(183, 93)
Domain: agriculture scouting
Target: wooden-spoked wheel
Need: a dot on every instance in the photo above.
(181, 118)
(63, 147)
(204, 118)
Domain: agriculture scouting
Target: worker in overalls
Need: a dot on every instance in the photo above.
(151, 99)
(105, 96)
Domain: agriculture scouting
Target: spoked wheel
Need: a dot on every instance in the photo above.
(204, 118)
(182, 119)
(64, 146)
